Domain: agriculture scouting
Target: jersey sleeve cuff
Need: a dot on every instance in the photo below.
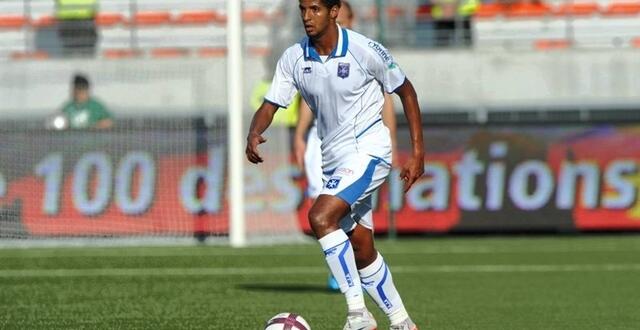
(274, 103)
(397, 87)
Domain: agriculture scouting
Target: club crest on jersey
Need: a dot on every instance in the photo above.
(306, 70)
(343, 70)
(333, 182)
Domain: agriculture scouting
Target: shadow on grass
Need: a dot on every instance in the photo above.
(288, 288)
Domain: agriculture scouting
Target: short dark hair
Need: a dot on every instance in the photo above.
(80, 82)
(331, 3)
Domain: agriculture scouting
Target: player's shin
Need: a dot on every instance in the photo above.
(377, 281)
(340, 258)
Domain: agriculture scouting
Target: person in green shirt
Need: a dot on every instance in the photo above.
(84, 111)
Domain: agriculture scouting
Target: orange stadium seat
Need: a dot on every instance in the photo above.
(394, 12)
(109, 19)
(253, 15)
(489, 10)
(43, 21)
(259, 51)
(635, 42)
(527, 10)
(37, 55)
(12, 21)
(551, 44)
(120, 53)
(212, 52)
(151, 18)
(197, 17)
(168, 52)
(577, 9)
(622, 9)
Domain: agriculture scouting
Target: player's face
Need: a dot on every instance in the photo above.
(316, 17)
(345, 18)
(80, 95)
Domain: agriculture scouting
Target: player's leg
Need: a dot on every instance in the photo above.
(313, 171)
(354, 177)
(375, 275)
(324, 218)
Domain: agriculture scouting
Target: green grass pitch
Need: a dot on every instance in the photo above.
(577, 282)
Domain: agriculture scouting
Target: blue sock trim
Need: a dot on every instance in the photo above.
(343, 263)
(381, 293)
(376, 272)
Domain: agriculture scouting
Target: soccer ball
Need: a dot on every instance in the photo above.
(287, 321)
(57, 122)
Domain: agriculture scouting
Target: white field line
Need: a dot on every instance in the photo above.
(259, 271)
(197, 252)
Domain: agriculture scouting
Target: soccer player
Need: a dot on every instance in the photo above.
(306, 142)
(341, 75)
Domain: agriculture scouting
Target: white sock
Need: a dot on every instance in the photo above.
(377, 281)
(339, 255)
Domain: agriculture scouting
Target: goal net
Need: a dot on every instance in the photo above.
(159, 174)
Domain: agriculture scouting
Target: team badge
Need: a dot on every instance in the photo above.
(307, 70)
(333, 183)
(343, 70)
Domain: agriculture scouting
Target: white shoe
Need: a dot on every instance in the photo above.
(405, 325)
(360, 320)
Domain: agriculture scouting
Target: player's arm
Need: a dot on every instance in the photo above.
(104, 123)
(261, 120)
(414, 168)
(105, 118)
(389, 120)
(305, 118)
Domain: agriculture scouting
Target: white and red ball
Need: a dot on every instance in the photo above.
(287, 321)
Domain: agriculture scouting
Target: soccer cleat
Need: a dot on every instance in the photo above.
(332, 284)
(405, 325)
(360, 320)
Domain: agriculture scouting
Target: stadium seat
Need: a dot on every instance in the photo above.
(12, 21)
(622, 9)
(394, 12)
(168, 52)
(489, 10)
(109, 19)
(259, 51)
(527, 10)
(43, 21)
(577, 9)
(37, 55)
(197, 17)
(151, 18)
(553, 44)
(253, 16)
(120, 53)
(212, 52)
(635, 42)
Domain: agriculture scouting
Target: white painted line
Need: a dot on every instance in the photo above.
(283, 271)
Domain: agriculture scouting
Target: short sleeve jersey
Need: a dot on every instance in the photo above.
(344, 91)
(85, 115)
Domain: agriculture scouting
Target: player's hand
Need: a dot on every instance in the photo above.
(253, 140)
(412, 171)
(299, 147)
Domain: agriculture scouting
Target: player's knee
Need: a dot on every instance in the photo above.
(364, 254)
(321, 223)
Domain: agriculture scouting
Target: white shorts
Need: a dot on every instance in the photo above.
(353, 180)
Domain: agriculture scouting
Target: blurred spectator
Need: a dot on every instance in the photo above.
(450, 20)
(82, 111)
(76, 26)
(287, 117)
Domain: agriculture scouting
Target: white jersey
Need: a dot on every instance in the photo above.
(344, 92)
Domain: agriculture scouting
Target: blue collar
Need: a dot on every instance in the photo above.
(310, 52)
